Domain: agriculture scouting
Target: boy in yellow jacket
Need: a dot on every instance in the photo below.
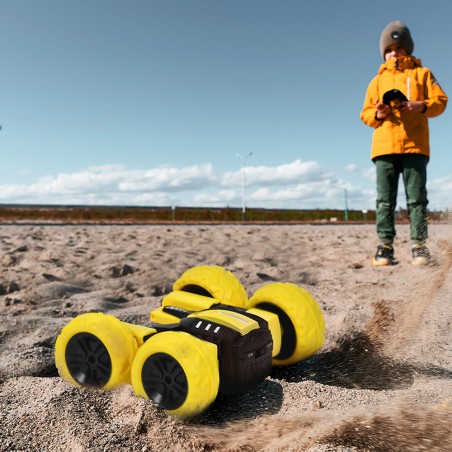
(398, 103)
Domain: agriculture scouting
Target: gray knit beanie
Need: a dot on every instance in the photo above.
(396, 32)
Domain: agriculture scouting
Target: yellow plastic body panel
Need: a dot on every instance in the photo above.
(233, 320)
(188, 301)
(273, 325)
(139, 332)
(160, 316)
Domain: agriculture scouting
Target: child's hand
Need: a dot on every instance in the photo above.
(414, 106)
(382, 110)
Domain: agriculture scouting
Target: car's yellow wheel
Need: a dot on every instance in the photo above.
(213, 281)
(178, 371)
(95, 350)
(302, 323)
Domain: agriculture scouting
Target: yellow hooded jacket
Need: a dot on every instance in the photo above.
(403, 132)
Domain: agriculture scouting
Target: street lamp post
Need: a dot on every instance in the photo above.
(346, 205)
(243, 158)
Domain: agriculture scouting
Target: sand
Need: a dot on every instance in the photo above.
(381, 382)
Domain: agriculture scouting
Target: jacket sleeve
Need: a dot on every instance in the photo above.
(435, 97)
(369, 109)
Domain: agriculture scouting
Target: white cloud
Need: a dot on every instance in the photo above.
(300, 185)
(170, 179)
(439, 192)
(279, 175)
(220, 198)
(369, 173)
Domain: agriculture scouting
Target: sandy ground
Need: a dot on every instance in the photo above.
(381, 382)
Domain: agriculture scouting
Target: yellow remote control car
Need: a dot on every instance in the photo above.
(206, 338)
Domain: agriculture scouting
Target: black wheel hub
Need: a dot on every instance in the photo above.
(88, 360)
(164, 381)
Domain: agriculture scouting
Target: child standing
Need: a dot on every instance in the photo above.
(398, 103)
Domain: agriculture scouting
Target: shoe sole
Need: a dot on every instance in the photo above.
(420, 262)
(383, 262)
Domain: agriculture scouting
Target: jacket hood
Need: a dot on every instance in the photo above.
(400, 63)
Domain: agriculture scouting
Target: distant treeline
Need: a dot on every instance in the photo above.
(126, 214)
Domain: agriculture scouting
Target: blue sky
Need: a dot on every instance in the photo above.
(112, 102)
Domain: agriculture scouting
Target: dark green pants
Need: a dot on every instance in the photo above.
(413, 168)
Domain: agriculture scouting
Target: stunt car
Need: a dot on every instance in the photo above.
(206, 338)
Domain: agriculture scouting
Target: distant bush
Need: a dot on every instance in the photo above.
(107, 214)
(118, 214)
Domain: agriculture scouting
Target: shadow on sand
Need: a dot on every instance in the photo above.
(357, 363)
